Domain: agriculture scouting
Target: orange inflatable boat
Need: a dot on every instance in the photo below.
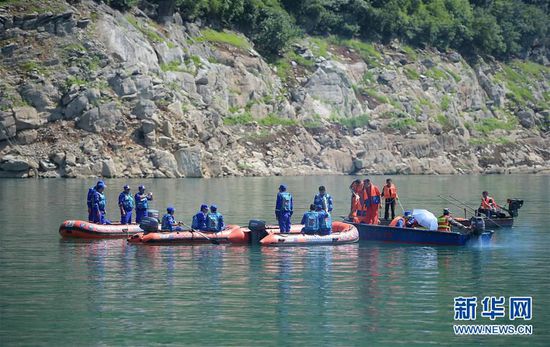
(231, 234)
(86, 230)
(341, 233)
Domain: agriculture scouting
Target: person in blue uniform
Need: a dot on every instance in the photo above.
(126, 205)
(214, 219)
(325, 221)
(310, 221)
(323, 199)
(142, 203)
(98, 205)
(284, 209)
(199, 220)
(169, 222)
(90, 200)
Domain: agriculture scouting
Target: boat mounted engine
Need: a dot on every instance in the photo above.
(149, 224)
(257, 230)
(477, 224)
(513, 206)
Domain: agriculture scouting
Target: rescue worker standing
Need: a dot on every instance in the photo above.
(283, 209)
(98, 204)
(199, 220)
(214, 220)
(323, 199)
(389, 193)
(142, 203)
(90, 199)
(310, 221)
(446, 221)
(356, 188)
(126, 205)
(371, 201)
(169, 222)
(488, 205)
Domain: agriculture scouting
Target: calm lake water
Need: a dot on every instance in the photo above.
(60, 293)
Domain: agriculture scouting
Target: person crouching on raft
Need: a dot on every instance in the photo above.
(126, 205)
(169, 222)
(214, 220)
(142, 203)
(310, 221)
(316, 221)
(283, 209)
(199, 220)
(98, 204)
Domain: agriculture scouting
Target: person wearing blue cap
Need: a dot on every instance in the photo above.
(99, 202)
(214, 220)
(283, 209)
(142, 203)
(90, 200)
(199, 220)
(169, 222)
(126, 205)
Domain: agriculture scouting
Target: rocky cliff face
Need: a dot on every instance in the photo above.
(89, 91)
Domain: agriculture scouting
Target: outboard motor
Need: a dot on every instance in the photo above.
(257, 230)
(153, 214)
(477, 224)
(149, 224)
(513, 206)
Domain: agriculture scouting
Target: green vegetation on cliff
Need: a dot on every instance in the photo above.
(502, 28)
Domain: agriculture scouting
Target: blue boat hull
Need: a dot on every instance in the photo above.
(369, 232)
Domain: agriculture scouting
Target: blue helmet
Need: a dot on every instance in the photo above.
(100, 184)
(407, 214)
(213, 208)
(282, 187)
(170, 209)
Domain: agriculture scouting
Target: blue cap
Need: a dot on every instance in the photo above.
(204, 206)
(141, 187)
(282, 187)
(100, 184)
(126, 187)
(170, 209)
(213, 207)
(407, 214)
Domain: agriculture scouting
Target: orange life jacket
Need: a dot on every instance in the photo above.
(389, 192)
(356, 198)
(488, 203)
(396, 220)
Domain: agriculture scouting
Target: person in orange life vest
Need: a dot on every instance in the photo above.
(356, 188)
(488, 205)
(445, 221)
(389, 193)
(400, 221)
(371, 202)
